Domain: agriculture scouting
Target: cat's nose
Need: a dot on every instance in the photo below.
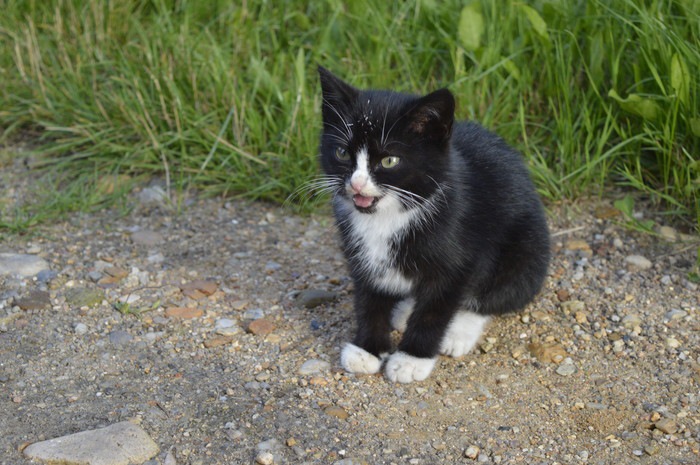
(357, 183)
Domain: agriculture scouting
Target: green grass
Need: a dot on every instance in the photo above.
(224, 97)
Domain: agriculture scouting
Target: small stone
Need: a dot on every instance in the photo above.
(547, 353)
(119, 444)
(338, 412)
(226, 327)
(563, 295)
(154, 195)
(637, 263)
(253, 314)
(217, 341)
(184, 313)
(80, 329)
(34, 300)
(578, 245)
(83, 297)
(572, 306)
(45, 276)
(666, 425)
(675, 314)
(651, 449)
(291, 442)
(116, 272)
(94, 276)
(314, 366)
(265, 458)
(605, 212)
(119, 337)
(672, 343)
(261, 327)
(24, 265)
(566, 369)
(199, 289)
(581, 317)
(472, 452)
(271, 267)
(668, 233)
(146, 238)
(631, 321)
(311, 298)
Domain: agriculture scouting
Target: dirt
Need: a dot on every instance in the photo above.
(217, 380)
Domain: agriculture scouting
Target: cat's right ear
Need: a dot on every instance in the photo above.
(338, 96)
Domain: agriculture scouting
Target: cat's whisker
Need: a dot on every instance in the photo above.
(348, 130)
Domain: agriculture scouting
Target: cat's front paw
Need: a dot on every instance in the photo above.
(357, 360)
(404, 368)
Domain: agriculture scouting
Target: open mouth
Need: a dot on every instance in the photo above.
(364, 203)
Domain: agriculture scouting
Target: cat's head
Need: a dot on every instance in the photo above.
(384, 149)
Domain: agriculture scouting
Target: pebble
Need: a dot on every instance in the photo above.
(311, 298)
(666, 425)
(217, 341)
(572, 306)
(184, 313)
(672, 343)
(119, 337)
(24, 265)
(566, 369)
(45, 276)
(547, 353)
(94, 276)
(34, 300)
(199, 289)
(314, 366)
(119, 444)
(675, 314)
(154, 195)
(226, 327)
(80, 329)
(472, 452)
(668, 233)
(253, 314)
(338, 412)
(261, 327)
(84, 297)
(637, 263)
(631, 321)
(265, 458)
(147, 238)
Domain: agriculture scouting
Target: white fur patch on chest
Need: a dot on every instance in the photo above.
(372, 235)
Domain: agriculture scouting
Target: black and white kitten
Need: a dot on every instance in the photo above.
(440, 224)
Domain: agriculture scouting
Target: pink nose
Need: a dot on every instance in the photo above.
(357, 185)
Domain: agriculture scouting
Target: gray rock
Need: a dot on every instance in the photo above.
(45, 276)
(80, 328)
(119, 444)
(253, 314)
(311, 298)
(147, 238)
(675, 314)
(631, 321)
(314, 366)
(566, 369)
(226, 327)
(119, 337)
(94, 276)
(153, 196)
(638, 262)
(21, 264)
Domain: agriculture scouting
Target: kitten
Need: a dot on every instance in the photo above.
(439, 221)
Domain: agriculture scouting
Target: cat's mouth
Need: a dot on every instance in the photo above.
(364, 203)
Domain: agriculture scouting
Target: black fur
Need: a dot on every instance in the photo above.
(483, 246)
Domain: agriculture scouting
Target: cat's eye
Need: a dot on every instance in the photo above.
(342, 154)
(389, 162)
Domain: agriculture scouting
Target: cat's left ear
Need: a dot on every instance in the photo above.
(432, 116)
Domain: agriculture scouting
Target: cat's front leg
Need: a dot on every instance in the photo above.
(372, 342)
(421, 343)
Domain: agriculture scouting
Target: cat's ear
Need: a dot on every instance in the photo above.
(432, 116)
(338, 96)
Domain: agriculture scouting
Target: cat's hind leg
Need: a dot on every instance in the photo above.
(401, 312)
(463, 333)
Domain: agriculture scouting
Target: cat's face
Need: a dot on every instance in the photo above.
(383, 149)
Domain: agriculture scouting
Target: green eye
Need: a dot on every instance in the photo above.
(341, 154)
(390, 162)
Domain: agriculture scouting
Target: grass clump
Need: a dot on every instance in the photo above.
(223, 95)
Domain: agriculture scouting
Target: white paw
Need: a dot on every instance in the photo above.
(463, 333)
(405, 368)
(401, 312)
(357, 360)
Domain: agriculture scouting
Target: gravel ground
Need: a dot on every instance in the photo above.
(207, 326)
